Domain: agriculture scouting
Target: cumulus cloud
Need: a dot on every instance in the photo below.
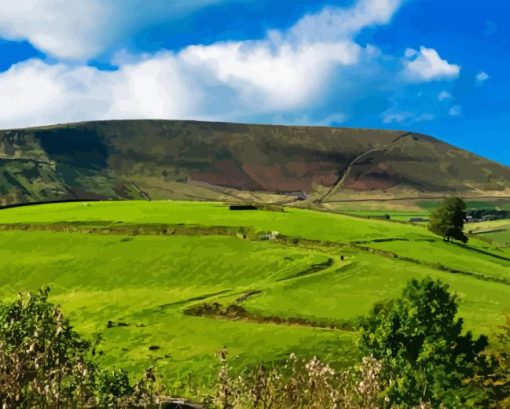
(333, 23)
(228, 80)
(481, 77)
(82, 29)
(36, 93)
(279, 76)
(59, 27)
(425, 64)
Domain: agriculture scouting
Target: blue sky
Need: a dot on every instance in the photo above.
(436, 67)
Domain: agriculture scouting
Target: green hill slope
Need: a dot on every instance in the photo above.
(220, 161)
(169, 283)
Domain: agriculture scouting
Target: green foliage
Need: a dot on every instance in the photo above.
(113, 390)
(419, 357)
(447, 220)
(42, 359)
(426, 356)
(111, 385)
(44, 363)
(501, 380)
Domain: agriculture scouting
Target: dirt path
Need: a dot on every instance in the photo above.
(345, 174)
(353, 162)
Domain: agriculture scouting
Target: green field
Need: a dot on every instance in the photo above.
(497, 231)
(131, 270)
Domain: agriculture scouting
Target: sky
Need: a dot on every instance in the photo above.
(431, 66)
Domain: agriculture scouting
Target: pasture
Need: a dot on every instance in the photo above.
(132, 272)
(497, 231)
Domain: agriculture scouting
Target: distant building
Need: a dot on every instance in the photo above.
(242, 207)
(381, 217)
(472, 219)
(418, 220)
(269, 236)
(298, 195)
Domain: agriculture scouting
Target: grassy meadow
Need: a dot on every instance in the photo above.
(135, 285)
(498, 231)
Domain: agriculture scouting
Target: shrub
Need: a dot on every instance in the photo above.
(298, 383)
(425, 354)
(44, 363)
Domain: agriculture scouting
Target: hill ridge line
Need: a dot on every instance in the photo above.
(216, 161)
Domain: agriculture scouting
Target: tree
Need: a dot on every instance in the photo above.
(447, 220)
(424, 353)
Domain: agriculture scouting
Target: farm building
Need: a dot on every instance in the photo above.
(269, 236)
(417, 220)
(297, 195)
(242, 207)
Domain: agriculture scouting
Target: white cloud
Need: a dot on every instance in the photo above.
(335, 23)
(395, 117)
(314, 72)
(455, 110)
(158, 87)
(481, 77)
(229, 80)
(444, 95)
(427, 65)
(280, 76)
(390, 117)
(81, 29)
(36, 93)
(68, 29)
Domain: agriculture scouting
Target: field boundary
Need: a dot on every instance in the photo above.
(236, 312)
(242, 232)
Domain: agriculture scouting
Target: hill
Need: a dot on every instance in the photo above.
(150, 159)
(170, 283)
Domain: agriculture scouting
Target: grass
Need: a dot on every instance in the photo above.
(91, 262)
(146, 282)
(474, 258)
(497, 230)
(501, 236)
(351, 291)
(143, 284)
(293, 222)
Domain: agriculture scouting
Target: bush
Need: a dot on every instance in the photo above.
(44, 363)
(416, 355)
(425, 354)
(297, 384)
